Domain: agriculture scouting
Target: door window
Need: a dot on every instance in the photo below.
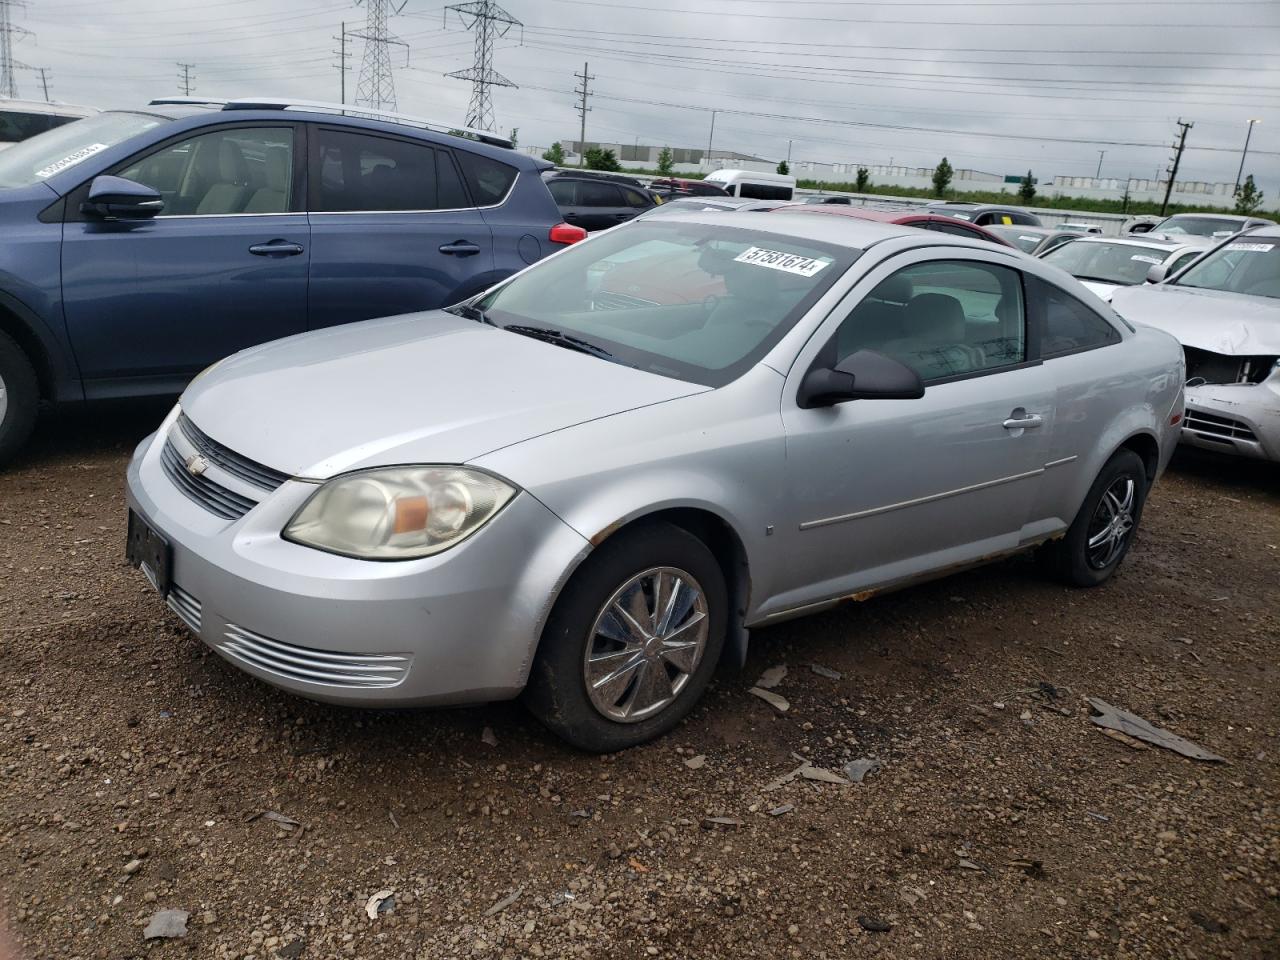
(943, 318)
(1182, 261)
(235, 170)
(592, 193)
(956, 230)
(1069, 325)
(636, 199)
(358, 172)
(564, 192)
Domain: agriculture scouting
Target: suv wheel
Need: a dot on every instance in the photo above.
(632, 642)
(19, 398)
(1103, 530)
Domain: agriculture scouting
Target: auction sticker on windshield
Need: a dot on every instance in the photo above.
(1254, 247)
(780, 260)
(70, 160)
(1146, 259)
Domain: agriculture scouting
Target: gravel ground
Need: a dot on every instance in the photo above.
(137, 768)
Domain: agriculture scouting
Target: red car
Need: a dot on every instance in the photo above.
(915, 218)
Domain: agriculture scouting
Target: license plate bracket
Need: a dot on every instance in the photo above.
(150, 552)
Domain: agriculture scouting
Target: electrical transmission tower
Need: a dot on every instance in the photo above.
(185, 79)
(9, 67)
(377, 87)
(490, 22)
(1176, 159)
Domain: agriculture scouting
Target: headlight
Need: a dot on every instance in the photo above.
(398, 513)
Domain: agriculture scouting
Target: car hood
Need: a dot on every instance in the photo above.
(420, 388)
(1229, 323)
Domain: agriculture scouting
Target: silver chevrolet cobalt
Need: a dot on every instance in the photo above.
(587, 484)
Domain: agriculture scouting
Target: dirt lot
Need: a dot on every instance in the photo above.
(136, 766)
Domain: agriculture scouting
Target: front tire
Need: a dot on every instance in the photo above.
(1102, 532)
(632, 641)
(19, 398)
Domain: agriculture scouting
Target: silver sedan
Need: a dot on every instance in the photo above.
(589, 483)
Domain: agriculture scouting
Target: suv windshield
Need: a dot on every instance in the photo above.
(55, 150)
(691, 301)
(1199, 226)
(1250, 265)
(1123, 263)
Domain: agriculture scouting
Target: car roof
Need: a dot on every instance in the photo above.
(1144, 240)
(1270, 230)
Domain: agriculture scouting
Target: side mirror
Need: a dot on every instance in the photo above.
(1157, 272)
(115, 198)
(864, 375)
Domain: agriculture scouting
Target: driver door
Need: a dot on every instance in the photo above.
(883, 490)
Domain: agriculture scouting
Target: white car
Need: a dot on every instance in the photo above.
(1105, 264)
(20, 119)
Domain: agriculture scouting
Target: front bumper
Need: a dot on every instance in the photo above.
(1236, 418)
(458, 627)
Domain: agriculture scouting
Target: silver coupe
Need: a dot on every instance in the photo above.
(589, 483)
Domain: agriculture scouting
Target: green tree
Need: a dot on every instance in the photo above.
(515, 136)
(1248, 197)
(783, 168)
(1027, 189)
(942, 175)
(666, 162)
(599, 158)
(863, 182)
(554, 153)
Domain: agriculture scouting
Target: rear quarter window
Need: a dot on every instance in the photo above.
(490, 180)
(1067, 325)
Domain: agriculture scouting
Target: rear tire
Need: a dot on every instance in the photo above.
(1102, 532)
(19, 398)
(632, 641)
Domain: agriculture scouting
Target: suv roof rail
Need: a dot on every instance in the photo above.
(350, 110)
(185, 102)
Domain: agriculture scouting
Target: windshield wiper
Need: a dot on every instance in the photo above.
(560, 339)
(471, 312)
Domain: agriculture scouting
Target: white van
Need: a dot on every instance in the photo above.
(20, 119)
(757, 186)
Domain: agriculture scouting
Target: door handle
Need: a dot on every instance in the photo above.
(460, 248)
(1028, 422)
(276, 248)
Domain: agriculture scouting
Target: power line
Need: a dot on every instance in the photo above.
(489, 22)
(377, 85)
(583, 110)
(186, 80)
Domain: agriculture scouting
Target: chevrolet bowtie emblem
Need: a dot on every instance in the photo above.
(197, 465)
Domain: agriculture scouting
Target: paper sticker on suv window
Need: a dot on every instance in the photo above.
(70, 160)
(1254, 247)
(778, 260)
(1142, 257)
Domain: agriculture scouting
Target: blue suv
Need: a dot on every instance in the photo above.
(139, 246)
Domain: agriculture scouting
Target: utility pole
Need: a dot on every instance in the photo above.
(1177, 159)
(186, 80)
(1101, 154)
(711, 136)
(9, 67)
(583, 92)
(788, 154)
(490, 22)
(341, 53)
(1243, 153)
(376, 87)
(44, 82)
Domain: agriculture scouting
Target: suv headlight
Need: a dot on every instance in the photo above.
(398, 513)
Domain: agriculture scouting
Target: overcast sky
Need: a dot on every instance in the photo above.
(838, 78)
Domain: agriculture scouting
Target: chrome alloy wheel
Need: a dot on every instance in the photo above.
(1112, 523)
(4, 400)
(647, 641)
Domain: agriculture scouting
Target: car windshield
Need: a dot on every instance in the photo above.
(692, 301)
(1026, 242)
(1250, 265)
(1122, 263)
(1198, 226)
(55, 150)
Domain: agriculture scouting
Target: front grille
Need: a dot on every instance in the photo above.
(1217, 428)
(325, 667)
(185, 606)
(611, 300)
(214, 497)
(242, 467)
